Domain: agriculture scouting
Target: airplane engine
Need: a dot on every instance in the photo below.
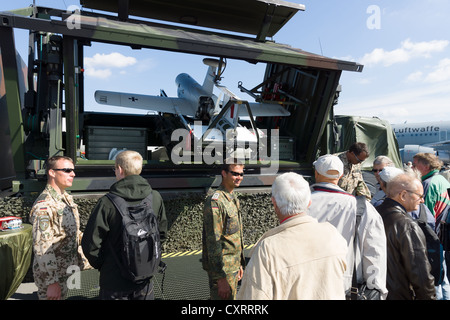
(409, 151)
(444, 156)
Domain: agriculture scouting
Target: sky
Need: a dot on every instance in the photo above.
(403, 45)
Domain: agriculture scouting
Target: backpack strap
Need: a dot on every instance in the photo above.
(121, 204)
(118, 202)
(360, 208)
(422, 213)
(330, 190)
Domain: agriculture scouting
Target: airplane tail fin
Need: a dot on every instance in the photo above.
(208, 83)
(210, 78)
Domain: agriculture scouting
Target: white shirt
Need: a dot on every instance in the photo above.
(337, 207)
(300, 259)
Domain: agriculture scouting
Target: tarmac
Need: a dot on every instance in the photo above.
(183, 279)
(26, 291)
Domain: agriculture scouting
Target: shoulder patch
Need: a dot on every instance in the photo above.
(44, 223)
(41, 197)
(215, 196)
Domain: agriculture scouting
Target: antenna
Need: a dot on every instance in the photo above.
(320, 44)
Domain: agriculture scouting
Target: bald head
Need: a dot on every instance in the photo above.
(407, 190)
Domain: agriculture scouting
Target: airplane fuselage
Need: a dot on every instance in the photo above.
(424, 137)
(191, 90)
(421, 133)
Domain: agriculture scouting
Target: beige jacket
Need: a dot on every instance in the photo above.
(299, 260)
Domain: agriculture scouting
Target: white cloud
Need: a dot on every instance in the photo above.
(441, 72)
(364, 81)
(415, 76)
(101, 65)
(345, 58)
(113, 59)
(412, 105)
(98, 73)
(386, 58)
(407, 51)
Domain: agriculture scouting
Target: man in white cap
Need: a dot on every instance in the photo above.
(386, 174)
(379, 164)
(338, 207)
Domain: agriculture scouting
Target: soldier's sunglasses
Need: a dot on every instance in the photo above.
(235, 174)
(66, 170)
(357, 159)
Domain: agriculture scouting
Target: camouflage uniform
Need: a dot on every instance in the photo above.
(56, 240)
(223, 253)
(352, 181)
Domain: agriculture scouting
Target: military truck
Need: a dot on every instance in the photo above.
(42, 101)
(43, 110)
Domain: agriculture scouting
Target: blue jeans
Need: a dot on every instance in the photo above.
(443, 290)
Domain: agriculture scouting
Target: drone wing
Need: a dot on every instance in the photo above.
(146, 102)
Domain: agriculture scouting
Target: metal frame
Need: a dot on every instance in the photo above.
(138, 34)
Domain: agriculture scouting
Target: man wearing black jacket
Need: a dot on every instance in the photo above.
(408, 270)
(105, 225)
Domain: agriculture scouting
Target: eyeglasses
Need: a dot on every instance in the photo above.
(65, 170)
(421, 196)
(377, 170)
(359, 160)
(235, 174)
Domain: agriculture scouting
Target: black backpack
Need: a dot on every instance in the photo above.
(434, 247)
(141, 253)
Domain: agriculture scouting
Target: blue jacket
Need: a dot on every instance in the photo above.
(436, 195)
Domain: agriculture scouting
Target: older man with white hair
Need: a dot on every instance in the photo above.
(332, 204)
(299, 259)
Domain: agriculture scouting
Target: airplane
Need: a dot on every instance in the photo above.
(427, 137)
(195, 102)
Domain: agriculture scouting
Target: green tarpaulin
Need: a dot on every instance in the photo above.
(15, 258)
(376, 133)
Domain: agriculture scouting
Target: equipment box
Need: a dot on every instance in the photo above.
(287, 148)
(101, 140)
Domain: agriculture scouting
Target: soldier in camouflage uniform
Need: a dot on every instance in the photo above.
(223, 254)
(56, 232)
(352, 181)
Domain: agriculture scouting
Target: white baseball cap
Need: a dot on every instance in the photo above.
(389, 173)
(329, 162)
